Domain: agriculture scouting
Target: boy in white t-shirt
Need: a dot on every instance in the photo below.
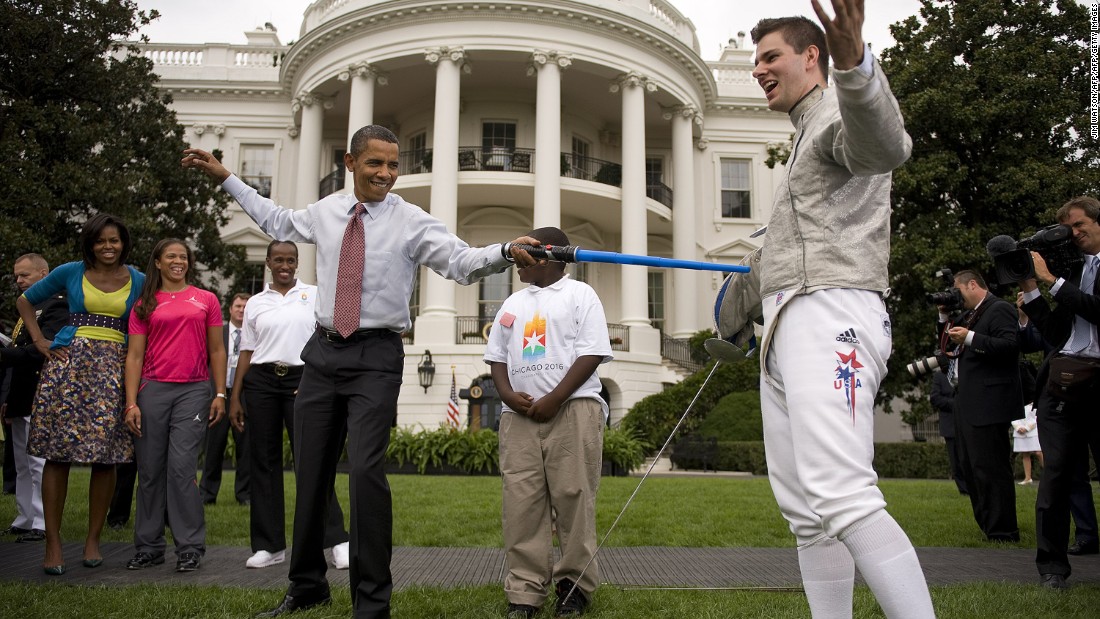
(544, 347)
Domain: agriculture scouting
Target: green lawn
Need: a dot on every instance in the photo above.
(465, 511)
(668, 511)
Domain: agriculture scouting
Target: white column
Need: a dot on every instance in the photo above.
(634, 299)
(307, 184)
(436, 323)
(361, 112)
(685, 301)
(548, 65)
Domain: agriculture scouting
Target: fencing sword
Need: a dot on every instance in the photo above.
(572, 253)
(721, 351)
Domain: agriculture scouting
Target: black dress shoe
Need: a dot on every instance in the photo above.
(116, 526)
(209, 501)
(1084, 548)
(188, 562)
(293, 604)
(34, 535)
(1057, 582)
(143, 560)
(15, 531)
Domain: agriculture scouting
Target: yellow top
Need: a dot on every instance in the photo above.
(108, 304)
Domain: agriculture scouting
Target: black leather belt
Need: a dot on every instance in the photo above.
(97, 320)
(278, 368)
(358, 335)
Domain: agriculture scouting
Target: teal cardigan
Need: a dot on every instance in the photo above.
(69, 278)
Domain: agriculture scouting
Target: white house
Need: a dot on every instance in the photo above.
(599, 117)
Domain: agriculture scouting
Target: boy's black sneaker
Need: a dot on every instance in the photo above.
(521, 611)
(575, 605)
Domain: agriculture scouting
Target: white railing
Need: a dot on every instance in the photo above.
(732, 75)
(189, 57)
(213, 55)
(318, 12)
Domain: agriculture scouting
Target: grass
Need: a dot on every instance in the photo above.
(171, 602)
(465, 511)
(668, 511)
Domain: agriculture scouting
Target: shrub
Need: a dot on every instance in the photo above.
(736, 417)
(622, 449)
(651, 420)
(479, 452)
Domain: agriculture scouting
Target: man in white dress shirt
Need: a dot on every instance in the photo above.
(352, 378)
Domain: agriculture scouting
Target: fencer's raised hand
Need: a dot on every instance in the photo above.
(197, 158)
(844, 32)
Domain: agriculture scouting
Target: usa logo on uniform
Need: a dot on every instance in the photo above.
(847, 379)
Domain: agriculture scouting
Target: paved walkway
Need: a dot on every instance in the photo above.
(647, 566)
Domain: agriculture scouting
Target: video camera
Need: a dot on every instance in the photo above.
(1054, 243)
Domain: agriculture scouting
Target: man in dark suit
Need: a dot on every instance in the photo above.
(25, 363)
(1067, 418)
(988, 397)
(217, 435)
(943, 400)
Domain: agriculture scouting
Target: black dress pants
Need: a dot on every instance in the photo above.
(347, 386)
(123, 499)
(217, 439)
(985, 453)
(1067, 430)
(268, 399)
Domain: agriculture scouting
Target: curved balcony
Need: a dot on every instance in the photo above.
(521, 160)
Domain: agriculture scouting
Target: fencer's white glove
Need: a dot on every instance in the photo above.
(737, 306)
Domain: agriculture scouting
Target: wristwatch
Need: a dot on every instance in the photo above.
(219, 395)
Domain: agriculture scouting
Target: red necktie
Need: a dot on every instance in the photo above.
(349, 276)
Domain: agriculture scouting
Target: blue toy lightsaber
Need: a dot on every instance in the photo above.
(572, 253)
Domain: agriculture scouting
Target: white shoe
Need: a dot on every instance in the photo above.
(263, 558)
(1026, 482)
(340, 556)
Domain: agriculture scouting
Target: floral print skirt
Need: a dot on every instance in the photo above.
(77, 414)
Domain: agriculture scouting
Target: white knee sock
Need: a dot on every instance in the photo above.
(828, 574)
(888, 563)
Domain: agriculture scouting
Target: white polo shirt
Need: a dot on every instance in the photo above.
(540, 332)
(277, 326)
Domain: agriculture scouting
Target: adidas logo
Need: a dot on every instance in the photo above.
(848, 336)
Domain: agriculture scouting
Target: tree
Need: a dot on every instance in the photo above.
(86, 131)
(995, 94)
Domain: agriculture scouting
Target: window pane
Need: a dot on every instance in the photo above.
(493, 290)
(736, 204)
(258, 168)
(657, 299)
(736, 188)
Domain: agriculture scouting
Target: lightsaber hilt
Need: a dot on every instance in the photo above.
(572, 253)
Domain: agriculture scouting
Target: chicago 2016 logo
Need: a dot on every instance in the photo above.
(847, 379)
(534, 338)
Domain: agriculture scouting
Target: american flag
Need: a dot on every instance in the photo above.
(452, 403)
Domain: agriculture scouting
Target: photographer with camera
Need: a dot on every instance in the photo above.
(988, 397)
(1071, 377)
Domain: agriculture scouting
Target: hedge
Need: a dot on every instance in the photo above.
(477, 452)
(910, 460)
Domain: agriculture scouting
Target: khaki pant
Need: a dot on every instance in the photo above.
(550, 468)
